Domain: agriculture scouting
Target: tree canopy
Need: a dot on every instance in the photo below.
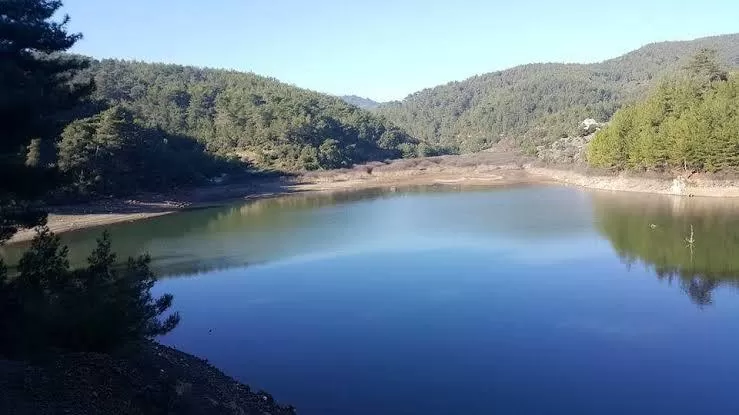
(537, 103)
(38, 91)
(689, 122)
(111, 153)
(272, 124)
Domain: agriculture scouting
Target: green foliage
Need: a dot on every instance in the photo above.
(690, 123)
(98, 308)
(330, 155)
(111, 153)
(37, 90)
(36, 82)
(535, 104)
(270, 123)
(705, 65)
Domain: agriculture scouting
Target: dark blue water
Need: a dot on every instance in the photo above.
(446, 331)
(538, 300)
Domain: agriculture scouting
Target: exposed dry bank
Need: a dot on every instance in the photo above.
(679, 185)
(480, 169)
(488, 169)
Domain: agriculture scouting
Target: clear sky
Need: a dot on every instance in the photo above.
(385, 49)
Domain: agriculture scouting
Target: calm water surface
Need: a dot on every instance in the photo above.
(532, 300)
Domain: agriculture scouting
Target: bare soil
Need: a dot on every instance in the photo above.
(147, 379)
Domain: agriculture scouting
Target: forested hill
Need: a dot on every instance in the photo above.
(271, 123)
(364, 103)
(539, 102)
(689, 123)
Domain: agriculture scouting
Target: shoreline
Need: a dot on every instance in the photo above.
(465, 170)
(96, 214)
(139, 379)
(695, 186)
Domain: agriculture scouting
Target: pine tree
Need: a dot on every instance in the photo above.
(37, 86)
(98, 308)
(704, 66)
(329, 155)
(687, 123)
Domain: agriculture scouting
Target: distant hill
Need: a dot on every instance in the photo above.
(537, 103)
(364, 103)
(271, 123)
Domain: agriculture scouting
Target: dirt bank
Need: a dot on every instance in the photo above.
(480, 169)
(469, 170)
(693, 185)
(150, 379)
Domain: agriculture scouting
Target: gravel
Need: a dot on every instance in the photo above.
(146, 379)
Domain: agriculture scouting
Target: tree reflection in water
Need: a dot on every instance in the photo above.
(657, 231)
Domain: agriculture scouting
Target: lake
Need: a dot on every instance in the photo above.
(429, 300)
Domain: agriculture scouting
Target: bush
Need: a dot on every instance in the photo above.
(98, 308)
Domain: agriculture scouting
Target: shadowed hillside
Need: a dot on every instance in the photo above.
(270, 123)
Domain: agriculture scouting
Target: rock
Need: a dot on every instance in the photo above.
(567, 150)
(589, 126)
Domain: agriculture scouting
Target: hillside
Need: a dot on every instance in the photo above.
(536, 103)
(364, 103)
(689, 123)
(270, 123)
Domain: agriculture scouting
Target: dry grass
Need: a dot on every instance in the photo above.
(467, 164)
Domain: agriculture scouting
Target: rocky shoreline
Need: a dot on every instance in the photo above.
(678, 185)
(147, 379)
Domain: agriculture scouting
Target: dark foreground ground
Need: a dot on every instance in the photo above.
(152, 379)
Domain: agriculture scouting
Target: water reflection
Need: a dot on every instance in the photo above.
(201, 240)
(270, 229)
(656, 231)
(530, 225)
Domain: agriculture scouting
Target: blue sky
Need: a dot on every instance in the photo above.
(385, 49)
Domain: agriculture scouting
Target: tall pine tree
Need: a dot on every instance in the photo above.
(37, 92)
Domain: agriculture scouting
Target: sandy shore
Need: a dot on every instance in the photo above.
(481, 169)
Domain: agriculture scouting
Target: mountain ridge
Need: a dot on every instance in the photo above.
(361, 102)
(539, 102)
(279, 125)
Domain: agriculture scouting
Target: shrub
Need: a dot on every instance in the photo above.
(98, 308)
